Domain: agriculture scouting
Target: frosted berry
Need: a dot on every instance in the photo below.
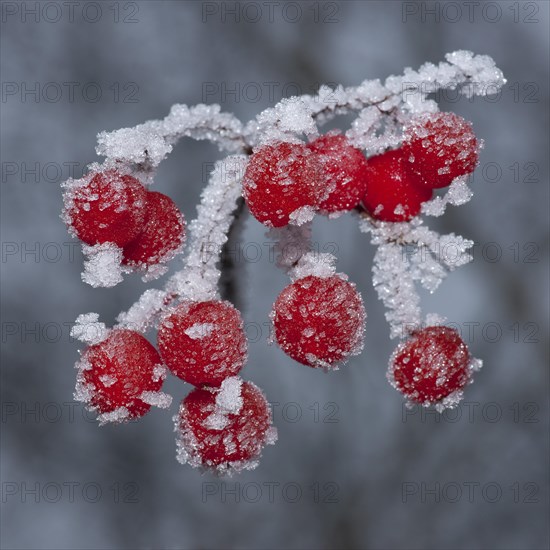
(319, 321)
(431, 365)
(280, 180)
(342, 170)
(439, 148)
(225, 429)
(392, 195)
(115, 372)
(162, 235)
(109, 208)
(203, 342)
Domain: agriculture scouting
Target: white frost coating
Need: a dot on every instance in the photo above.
(313, 263)
(198, 331)
(154, 271)
(89, 329)
(228, 401)
(395, 287)
(365, 132)
(198, 281)
(150, 142)
(453, 399)
(434, 255)
(102, 266)
(435, 320)
(159, 373)
(116, 416)
(140, 315)
(457, 194)
(156, 399)
(107, 380)
(302, 215)
(290, 117)
(471, 74)
(229, 397)
(411, 252)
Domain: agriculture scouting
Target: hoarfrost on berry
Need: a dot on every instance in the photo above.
(114, 374)
(102, 265)
(89, 329)
(213, 437)
(319, 321)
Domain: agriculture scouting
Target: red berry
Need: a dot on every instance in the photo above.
(391, 195)
(203, 342)
(440, 147)
(319, 321)
(344, 167)
(224, 429)
(115, 373)
(431, 365)
(109, 208)
(162, 236)
(280, 180)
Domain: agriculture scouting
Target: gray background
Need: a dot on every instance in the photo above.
(374, 451)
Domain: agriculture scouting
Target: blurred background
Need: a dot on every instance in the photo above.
(352, 468)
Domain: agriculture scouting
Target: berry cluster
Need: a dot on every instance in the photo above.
(224, 423)
(112, 207)
(318, 319)
(437, 148)
(287, 182)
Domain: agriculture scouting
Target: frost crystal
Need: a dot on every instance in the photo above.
(102, 265)
(89, 329)
(320, 265)
(118, 415)
(457, 194)
(395, 287)
(198, 281)
(157, 399)
(228, 401)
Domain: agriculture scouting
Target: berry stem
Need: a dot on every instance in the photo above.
(229, 264)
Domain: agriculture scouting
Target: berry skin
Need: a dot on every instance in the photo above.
(439, 147)
(279, 180)
(162, 236)
(203, 342)
(431, 365)
(114, 373)
(344, 167)
(392, 196)
(110, 208)
(225, 429)
(319, 321)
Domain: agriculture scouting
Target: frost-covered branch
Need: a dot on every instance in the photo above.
(198, 280)
(147, 144)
